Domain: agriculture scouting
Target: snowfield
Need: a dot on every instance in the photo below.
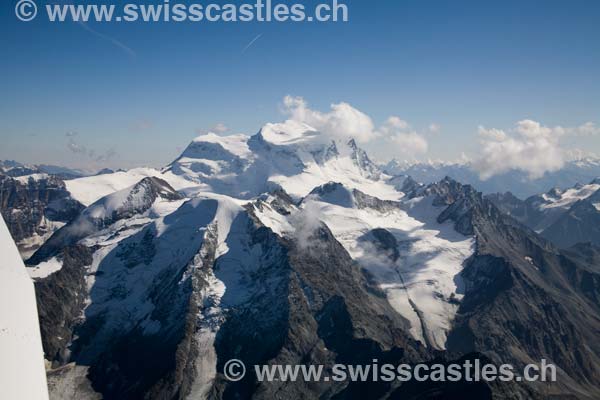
(33, 177)
(569, 197)
(90, 189)
(423, 284)
(45, 269)
(422, 281)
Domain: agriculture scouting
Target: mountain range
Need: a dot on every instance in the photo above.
(17, 169)
(517, 182)
(287, 247)
(565, 217)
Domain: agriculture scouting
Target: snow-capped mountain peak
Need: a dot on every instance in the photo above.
(151, 196)
(234, 144)
(289, 133)
(557, 198)
(290, 155)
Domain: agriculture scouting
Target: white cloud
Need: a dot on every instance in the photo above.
(405, 140)
(587, 129)
(410, 143)
(306, 222)
(394, 122)
(579, 154)
(531, 148)
(344, 121)
(492, 134)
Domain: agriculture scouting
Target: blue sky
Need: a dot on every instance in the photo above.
(459, 64)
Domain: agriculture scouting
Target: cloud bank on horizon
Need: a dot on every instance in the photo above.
(530, 147)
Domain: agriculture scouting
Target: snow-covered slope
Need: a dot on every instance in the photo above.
(136, 262)
(147, 199)
(558, 198)
(289, 155)
(541, 211)
(22, 372)
(414, 259)
(92, 188)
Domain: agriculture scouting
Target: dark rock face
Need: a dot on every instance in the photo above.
(564, 227)
(324, 311)
(363, 200)
(524, 301)
(337, 193)
(334, 193)
(326, 154)
(60, 300)
(587, 253)
(30, 208)
(448, 191)
(581, 265)
(524, 211)
(410, 186)
(16, 169)
(361, 159)
(580, 224)
(460, 201)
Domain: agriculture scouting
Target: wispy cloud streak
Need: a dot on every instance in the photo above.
(252, 42)
(108, 38)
